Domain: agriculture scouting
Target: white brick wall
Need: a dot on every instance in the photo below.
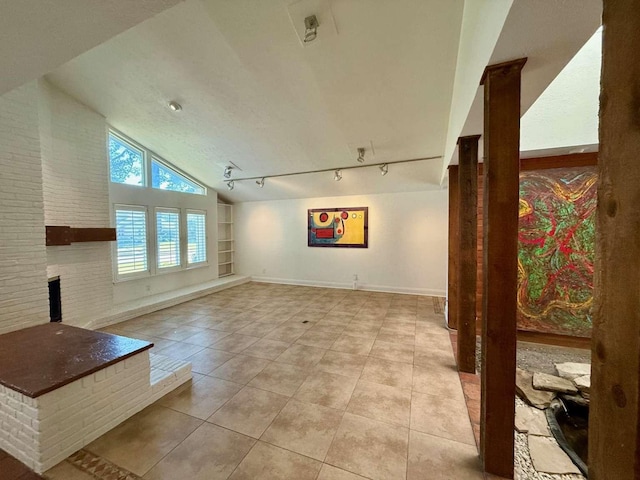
(23, 277)
(42, 432)
(54, 171)
(76, 193)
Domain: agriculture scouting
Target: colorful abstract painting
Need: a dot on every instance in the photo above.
(339, 227)
(556, 250)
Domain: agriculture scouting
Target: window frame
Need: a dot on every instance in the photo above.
(168, 166)
(205, 262)
(133, 275)
(135, 146)
(150, 199)
(173, 268)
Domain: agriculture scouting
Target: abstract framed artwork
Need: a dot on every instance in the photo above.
(556, 250)
(338, 227)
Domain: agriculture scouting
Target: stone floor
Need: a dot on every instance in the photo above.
(295, 383)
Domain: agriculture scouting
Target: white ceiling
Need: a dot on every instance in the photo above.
(37, 36)
(381, 73)
(549, 34)
(254, 96)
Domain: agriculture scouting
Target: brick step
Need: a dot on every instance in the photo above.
(167, 374)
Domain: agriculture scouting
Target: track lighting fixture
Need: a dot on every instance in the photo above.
(310, 28)
(360, 155)
(337, 172)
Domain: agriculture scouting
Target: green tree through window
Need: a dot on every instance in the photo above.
(166, 178)
(126, 162)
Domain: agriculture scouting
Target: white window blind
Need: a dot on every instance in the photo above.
(131, 239)
(168, 238)
(196, 237)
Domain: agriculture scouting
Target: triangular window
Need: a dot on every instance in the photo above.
(164, 177)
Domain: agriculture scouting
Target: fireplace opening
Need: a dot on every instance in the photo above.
(55, 305)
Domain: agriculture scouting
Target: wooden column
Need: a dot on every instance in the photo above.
(500, 264)
(614, 424)
(454, 232)
(467, 251)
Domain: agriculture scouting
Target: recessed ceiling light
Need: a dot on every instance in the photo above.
(175, 106)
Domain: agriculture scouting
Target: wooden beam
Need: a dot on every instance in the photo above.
(572, 160)
(64, 235)
(500, 264)
(454, 232)
(614, 419)
(467, 251)
(57, 235)
(93, 235)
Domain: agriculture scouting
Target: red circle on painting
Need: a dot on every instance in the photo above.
(339, 231)
(344, 215)
(337, 220)
(313, 230)
(323, 217)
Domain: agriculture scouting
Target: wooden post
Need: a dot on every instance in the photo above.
(467, 251)
(614, 418)
(454, 232)
(500, 264)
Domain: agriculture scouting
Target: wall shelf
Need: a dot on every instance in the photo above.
(226, 249)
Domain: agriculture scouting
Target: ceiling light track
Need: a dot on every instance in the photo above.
(383, 166)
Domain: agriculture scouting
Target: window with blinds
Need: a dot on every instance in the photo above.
(196, 237)
(168, 238)
(131, 240)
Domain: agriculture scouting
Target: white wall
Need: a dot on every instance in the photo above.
(131, 290)
(23, 276)
(566, 114)
(407, 243)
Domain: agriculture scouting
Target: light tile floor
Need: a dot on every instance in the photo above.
(299, 383)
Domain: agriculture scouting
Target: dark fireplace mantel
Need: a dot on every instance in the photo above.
(64, 235)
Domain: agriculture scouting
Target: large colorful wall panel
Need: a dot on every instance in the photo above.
(556, 250)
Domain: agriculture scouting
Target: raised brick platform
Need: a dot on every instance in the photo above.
(62, 387)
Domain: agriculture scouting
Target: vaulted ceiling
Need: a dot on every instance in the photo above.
(399, 78)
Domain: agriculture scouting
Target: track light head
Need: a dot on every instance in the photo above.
(260, 182)
(384, 169)
(230, 185)
(337, 176)
(227, 171)
(360, 155)
(174, 106)
(310, 28)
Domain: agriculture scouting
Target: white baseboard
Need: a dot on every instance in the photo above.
(364, 287)
(129, 310)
